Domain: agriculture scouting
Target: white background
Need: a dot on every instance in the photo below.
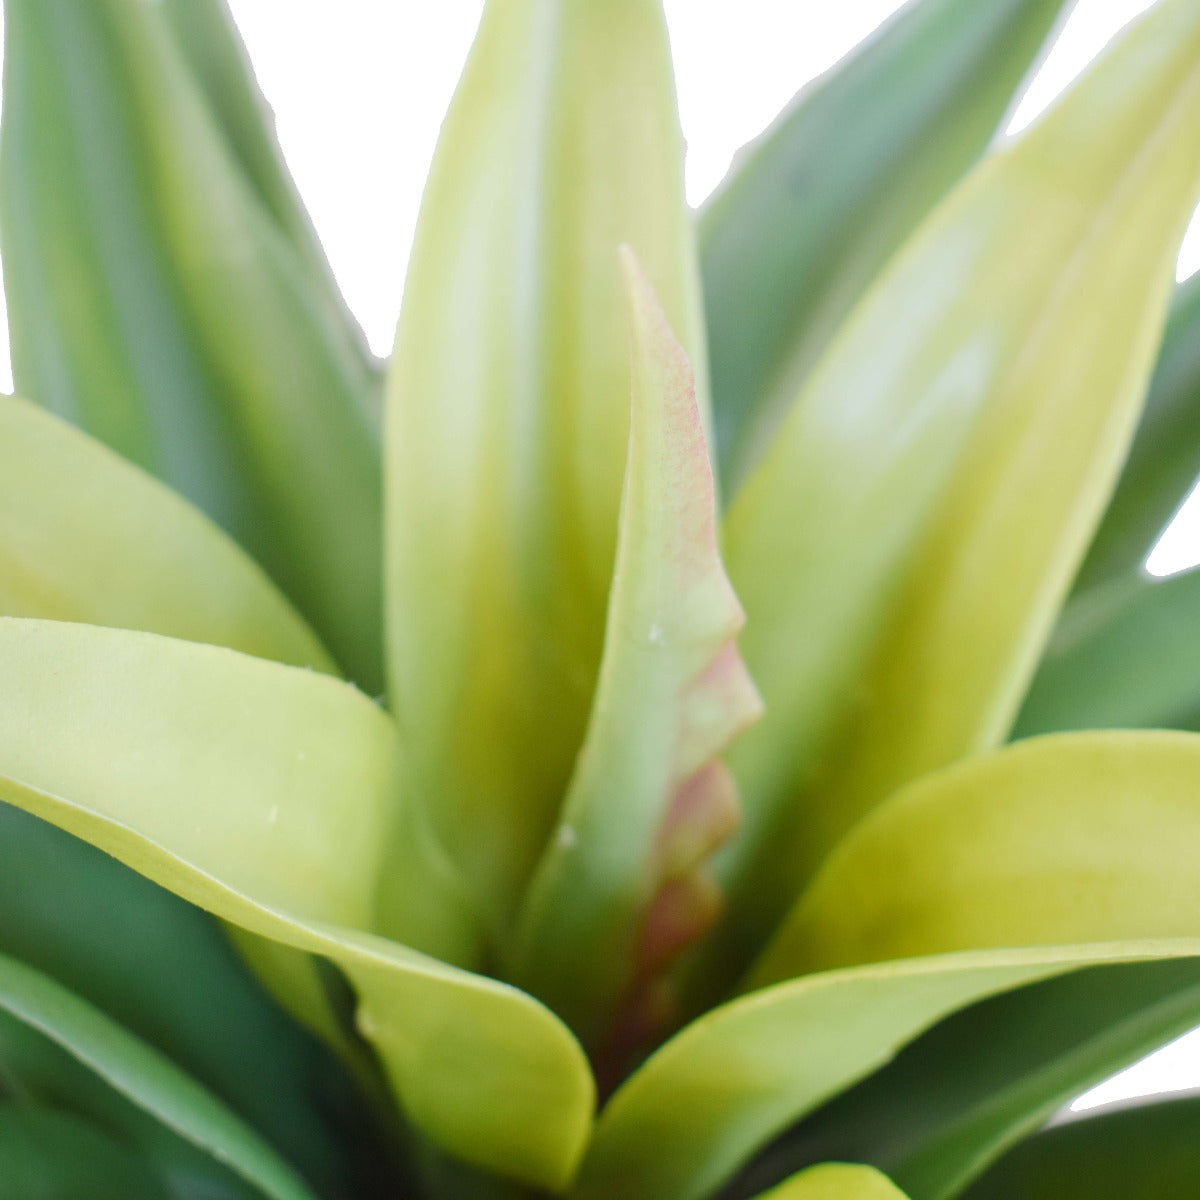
(359, 88)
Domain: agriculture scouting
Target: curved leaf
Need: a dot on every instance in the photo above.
(508, 411)
(620, 891)
(903, 550)
(266, 768)
(85, 536)
(984, 876)
(144, 1077)
(155, 302)
(1124, 655)
(958, 1097)
(1164, 459)
(48, 1155)
(814, 208)
(836, 1181)
(1083, 837)
(1143, 1150)
(163, 970)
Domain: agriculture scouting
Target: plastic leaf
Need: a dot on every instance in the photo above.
(947, 874)
(144, 1077)
(155, 302)
(266, 768)
(812, 211)
(836, 1181)
(508, 410)
(621, 890)
(1140, 1150)
(1124, 655)
(903, 550)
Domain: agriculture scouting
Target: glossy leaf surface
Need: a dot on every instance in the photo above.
(144, 1077)
(99, 725)
(155, 302)
(950, 875)
(1147, 1149)
(902, 552)
(622, 888)
(508, 410)
(812, 211)
(959, 1096)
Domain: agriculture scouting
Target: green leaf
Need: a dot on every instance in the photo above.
(266, 767)
(61, 550)
(1054, 854)
(163, 970)
(146, 1078)
(212, 48)
(813, 210)
(1124, 655)
(1164, 459)
(48, 1155)
(622, 888)
(903, 550)
(509, 411)
(959, 1096)
(1070, 838)
(154, 301)
(836, 1181)
(1147, 1149)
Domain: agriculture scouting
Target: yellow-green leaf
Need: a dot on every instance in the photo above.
(903, 550)
(621, 889)
(85, 536)
(1085, 837)
(836, 1181)
(230, 780)
(1055, 854)
(508, 410)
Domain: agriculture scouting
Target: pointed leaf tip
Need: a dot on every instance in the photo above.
(622, 890)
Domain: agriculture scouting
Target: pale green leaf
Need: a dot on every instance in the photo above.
(836, 1181)
(228, 780)
(145, 1077)
(621, 889)
(1139, 1151)
(812, 211)
(903, 550)
(155, 301)
(1058, 853)
(508, 410)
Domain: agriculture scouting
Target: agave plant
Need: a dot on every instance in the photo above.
(578, 759)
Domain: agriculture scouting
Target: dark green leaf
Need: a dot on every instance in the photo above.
(1146, 1151)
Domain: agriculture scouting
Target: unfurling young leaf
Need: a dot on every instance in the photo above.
(622, 888)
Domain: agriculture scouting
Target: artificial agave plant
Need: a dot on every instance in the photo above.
(573, 761)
